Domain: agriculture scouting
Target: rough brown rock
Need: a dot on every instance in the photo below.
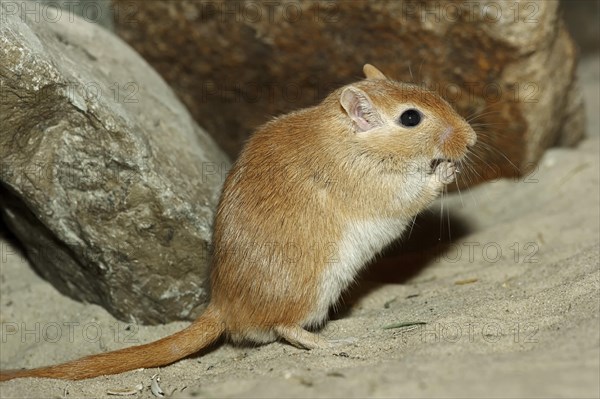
(105, 178)
(236, 64)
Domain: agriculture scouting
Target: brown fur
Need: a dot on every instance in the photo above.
(303, 184)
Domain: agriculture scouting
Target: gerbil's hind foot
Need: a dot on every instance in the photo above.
(301, 338)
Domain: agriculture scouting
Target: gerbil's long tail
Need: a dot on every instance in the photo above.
(201, 333)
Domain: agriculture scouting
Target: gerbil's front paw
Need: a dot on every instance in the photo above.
(444, 173)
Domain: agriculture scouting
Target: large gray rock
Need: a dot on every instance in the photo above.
(235, 64)
(105, 179)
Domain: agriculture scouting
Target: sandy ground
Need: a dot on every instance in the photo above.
(511, 306)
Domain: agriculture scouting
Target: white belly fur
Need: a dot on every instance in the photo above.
(359, 244)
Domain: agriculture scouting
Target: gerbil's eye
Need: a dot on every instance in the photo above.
(410, 118)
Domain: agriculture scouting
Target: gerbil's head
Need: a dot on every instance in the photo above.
(403, 121)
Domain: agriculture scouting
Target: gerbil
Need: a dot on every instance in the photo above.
(314, 195)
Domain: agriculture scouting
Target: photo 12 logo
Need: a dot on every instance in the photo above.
(471, 11)
(490, 252)
(489, 332)
(67, 331)
(51, 12)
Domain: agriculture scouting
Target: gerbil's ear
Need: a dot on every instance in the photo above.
(373, 73)
(360, 108)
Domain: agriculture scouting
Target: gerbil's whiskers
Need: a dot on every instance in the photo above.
(412, 225)
(442, 213)
(419, 77)
(484, 145)
(448, 215)
(416, 80)
(492, 149)
(458, 185)
(441, 218)
(469, 167)
(491, 132)
(473, 117)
